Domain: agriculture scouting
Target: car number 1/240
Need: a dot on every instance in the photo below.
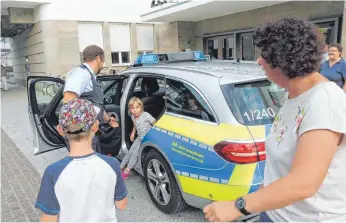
(257, 114)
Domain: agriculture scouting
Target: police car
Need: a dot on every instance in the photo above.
(212, 120)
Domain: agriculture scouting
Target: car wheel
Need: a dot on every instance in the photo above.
(161, 184)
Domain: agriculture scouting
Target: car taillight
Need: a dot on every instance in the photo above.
(241, 152)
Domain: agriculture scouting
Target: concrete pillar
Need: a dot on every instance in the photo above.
(21, 15)
(133, 36)
(186, 35)
(107, 44)
(167, 39)
(61, 48)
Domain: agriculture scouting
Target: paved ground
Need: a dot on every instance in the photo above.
(15, 123)
(19, 184)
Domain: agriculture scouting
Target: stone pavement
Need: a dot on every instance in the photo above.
(20, 183)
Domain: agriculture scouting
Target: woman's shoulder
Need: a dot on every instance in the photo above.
(332, 90)
(327, 96)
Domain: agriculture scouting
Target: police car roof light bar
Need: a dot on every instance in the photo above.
(154, 59)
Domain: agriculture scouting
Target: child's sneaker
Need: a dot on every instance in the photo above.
(125, 175)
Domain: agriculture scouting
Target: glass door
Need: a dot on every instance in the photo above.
(228, 48)
(213, 48)
(247, 46)
(328, 31)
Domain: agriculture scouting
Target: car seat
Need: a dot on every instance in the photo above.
(153, 100)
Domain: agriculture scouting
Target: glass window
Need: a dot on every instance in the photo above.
(45, 91)
(109, 88)
(247, 46)
(255, 103)
(120, 58)
(125, 57)
(228, 49)
(328, 31)
(213, 48)
(144, 52)
(124, 85)
(115, 58)
(182, 99)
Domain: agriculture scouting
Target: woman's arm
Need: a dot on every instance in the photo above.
(315, 151)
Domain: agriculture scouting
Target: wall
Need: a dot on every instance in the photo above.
(166, 37)
(91, 10)
(253, 18)
(28, 44)
(186, 35)
(60, 46)
(50, 46)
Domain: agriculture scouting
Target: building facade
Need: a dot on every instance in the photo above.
(48, 36)
(224, 29)
(6, 59)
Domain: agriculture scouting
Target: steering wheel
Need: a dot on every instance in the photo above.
(106, 131)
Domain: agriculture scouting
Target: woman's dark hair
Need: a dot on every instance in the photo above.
(291, 44)
(336, 45)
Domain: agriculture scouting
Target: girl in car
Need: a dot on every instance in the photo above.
(142, 123)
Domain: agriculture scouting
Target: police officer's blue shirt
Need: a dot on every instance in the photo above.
(335, 73)
(79, 80)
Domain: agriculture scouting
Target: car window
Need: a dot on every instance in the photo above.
(183, 99)
(138, 85)
(126, 80)
(109, 87)
(255, 103)
(45, 91)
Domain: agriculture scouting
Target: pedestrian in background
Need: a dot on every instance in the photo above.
(4, 78)
(304, 177)
(334, 69)
(85, 186)
(81, 83)
(326, 53)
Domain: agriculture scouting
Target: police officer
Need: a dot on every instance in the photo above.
(81, 83)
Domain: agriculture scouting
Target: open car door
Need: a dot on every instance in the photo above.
(44, 98)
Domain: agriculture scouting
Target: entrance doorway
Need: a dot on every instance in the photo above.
(213, 48)
(228, 52)
(247, 46)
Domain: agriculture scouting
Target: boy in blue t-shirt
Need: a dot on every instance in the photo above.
(85, 186)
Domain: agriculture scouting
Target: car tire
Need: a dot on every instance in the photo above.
(168, 183)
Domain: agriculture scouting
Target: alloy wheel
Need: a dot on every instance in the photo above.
(158, 181)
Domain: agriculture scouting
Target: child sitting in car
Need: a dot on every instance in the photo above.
(142, 122)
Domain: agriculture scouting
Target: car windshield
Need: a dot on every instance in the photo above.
(254, 103)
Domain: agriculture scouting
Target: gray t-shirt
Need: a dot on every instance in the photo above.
(321, 107)
(143, 124)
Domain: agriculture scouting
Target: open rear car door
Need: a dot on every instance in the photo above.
(44, 101)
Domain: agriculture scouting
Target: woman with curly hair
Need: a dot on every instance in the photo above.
(304, 177)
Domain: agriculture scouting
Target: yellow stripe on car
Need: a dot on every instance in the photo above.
(208, 134)
(242, 174)
(210, 190)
